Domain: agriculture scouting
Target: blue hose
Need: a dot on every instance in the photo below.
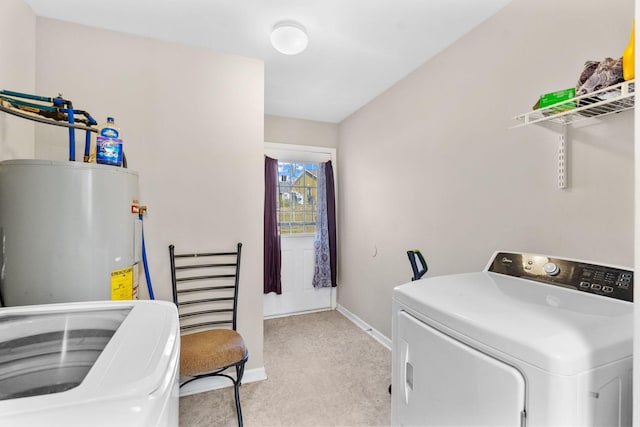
(72, 135)
(146, 265)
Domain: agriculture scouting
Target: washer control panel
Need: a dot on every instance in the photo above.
(596, 279)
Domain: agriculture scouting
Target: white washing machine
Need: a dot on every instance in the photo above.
(107, 363)
(530, 341)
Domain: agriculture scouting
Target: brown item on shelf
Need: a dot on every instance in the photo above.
(598, 75)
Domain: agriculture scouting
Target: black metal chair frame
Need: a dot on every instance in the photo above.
(175, 281)
(418, 264)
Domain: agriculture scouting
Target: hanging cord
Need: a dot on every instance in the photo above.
(144, 261)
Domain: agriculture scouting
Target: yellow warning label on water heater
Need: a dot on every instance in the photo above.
(122, 284)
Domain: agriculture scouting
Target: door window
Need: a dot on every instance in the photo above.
(298, 188)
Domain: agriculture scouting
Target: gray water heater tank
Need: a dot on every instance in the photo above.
(67, 232)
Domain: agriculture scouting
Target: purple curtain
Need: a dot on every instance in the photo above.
(331, 221)
(272, 257)
(322, 254)
(324, 244)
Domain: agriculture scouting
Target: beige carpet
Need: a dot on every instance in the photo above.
(322, 371)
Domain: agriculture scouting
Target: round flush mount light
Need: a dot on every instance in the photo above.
(289, 38)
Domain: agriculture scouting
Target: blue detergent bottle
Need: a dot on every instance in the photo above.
(109, 144)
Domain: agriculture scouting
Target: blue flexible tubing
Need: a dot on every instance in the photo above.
(146, 265)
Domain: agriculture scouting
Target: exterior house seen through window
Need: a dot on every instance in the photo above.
(298, 188)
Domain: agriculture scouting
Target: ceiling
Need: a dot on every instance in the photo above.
(357, 48)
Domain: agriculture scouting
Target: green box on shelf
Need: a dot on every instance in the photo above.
(561, 97)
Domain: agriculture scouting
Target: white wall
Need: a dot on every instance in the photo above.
(17, 73)
(192, 121)
(431, 163)
(301, 132)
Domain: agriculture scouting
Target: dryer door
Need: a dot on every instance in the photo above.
(438, 381)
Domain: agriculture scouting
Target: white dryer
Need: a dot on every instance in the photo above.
(531, 341)
(108, 363)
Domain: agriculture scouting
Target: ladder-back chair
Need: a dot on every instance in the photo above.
(205, 289)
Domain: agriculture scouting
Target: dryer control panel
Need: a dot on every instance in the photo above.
(596, 279)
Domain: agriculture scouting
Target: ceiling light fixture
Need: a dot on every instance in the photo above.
(289, 38)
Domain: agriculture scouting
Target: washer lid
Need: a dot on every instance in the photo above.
(137, 345)
(559, 330)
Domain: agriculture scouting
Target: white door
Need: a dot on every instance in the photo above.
(439, 381)
(298, 294)
(298, 259)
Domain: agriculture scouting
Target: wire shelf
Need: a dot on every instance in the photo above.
(612, 99)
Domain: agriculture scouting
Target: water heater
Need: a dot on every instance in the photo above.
(68, 232)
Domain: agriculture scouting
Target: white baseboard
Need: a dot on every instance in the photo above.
(297, 313)
(377, 335)
(214, 383)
